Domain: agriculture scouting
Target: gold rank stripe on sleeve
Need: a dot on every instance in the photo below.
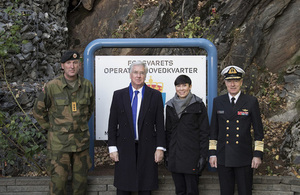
(259, 146)
(213, 144)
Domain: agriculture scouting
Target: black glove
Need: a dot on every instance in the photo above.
(201, 165)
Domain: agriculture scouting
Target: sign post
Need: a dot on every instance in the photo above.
(92, 47)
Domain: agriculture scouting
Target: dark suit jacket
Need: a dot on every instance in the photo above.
(230, 127)
(133, 174)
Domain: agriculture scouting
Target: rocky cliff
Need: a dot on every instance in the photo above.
(264, 32)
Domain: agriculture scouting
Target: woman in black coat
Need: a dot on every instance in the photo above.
(187, 130)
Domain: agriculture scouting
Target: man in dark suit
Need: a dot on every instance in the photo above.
(136, 135)
(230, 145)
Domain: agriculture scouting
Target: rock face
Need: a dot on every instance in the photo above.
(258, 31)
(42, 38)
(290, 148)
(291, 92)
(264, 32)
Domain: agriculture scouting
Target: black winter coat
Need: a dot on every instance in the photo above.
(131, 173)
(187, 136)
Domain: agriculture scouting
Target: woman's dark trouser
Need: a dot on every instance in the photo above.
(186, 184)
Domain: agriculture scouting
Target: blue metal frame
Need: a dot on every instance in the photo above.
(92, 47)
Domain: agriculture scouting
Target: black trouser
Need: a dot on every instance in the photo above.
(186, 184)
(243, 176)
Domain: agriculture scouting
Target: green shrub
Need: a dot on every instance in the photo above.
(20, 139)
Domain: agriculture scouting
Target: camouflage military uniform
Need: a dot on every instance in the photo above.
(64, 111)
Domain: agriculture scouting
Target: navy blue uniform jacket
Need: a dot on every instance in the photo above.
(230, 136)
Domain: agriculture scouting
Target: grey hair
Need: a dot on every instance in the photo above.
(138, 63)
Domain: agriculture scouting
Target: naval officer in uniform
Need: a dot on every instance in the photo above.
(230, 146)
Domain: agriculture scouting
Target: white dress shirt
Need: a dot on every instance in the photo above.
(236, 97)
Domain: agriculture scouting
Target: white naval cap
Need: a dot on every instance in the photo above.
(232, 72)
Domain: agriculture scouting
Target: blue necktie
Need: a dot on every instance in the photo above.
(134, 111)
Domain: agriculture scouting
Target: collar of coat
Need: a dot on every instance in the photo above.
(131, 91)
(193, 100)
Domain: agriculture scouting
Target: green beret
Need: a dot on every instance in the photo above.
(70, 55)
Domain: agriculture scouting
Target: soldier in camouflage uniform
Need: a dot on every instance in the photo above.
(63, 109)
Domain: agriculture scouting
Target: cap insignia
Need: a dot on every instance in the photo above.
(232, 71)
(75, 55)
